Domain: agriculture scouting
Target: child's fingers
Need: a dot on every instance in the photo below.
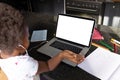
(77, 58)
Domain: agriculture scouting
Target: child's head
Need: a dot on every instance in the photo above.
(13, 30)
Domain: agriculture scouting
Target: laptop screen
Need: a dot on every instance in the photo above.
(76, 29)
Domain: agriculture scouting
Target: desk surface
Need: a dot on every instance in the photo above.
(71, 73)
(63, 71)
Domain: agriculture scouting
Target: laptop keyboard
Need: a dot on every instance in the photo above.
(64, 46)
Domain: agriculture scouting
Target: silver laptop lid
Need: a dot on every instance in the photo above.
(75, 29)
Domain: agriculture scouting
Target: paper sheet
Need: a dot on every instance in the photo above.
(39, 35)
(101, 63)
(116, 74)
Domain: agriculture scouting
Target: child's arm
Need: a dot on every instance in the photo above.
(53, 62)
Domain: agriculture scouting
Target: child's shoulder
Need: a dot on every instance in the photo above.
(20, 65)
(25, 60)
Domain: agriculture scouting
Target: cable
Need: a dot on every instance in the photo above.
(38, 45)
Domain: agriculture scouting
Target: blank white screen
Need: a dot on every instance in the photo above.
(74, 29)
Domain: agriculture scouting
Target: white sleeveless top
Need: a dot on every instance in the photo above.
(21, 67)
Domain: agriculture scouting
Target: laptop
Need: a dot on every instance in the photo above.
(73, 33)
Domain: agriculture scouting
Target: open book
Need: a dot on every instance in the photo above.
(102, 64)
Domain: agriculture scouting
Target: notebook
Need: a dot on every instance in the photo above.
(72, 31)
(102, 64)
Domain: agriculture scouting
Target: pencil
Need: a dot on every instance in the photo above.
(116, 42)
(106, 45)
(97, 45)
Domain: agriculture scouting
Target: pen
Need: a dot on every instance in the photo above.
(115, 48)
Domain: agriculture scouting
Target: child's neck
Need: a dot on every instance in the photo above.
(7, 55)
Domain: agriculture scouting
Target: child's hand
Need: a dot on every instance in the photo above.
(66, 54)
